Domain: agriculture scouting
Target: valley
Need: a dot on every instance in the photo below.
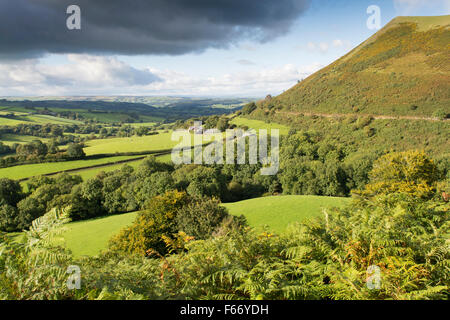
(363, 180)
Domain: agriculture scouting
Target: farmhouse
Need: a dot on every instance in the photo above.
(196, 129)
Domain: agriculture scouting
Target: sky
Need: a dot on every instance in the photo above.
(220, 48)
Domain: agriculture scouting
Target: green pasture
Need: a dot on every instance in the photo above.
(279, 212)
(161, 141)
(257, 124)
(31, 170)
(91, 236)
(10, 139)
(87, 174)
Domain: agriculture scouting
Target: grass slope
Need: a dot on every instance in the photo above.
(258, 124)
(161, 141)
(91, 236)
(28, 118)
(279, 212)
(10, 139)
(31, 170)
(403, 70)
(92, 172)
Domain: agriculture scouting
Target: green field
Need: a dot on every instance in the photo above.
(10, 122)
(158, 142)
(142, 124)
(22, 115)
(34, 119)
(280, 211)
(44, 119)
(257, 124)
(92, 172)
(10, 139)
(90, 237)
(31, 170)
(161, 141)
(113, 117)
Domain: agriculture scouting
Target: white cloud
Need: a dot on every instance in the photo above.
(102, 71)
(83, 72)
(323, 46)
(261, 82)
(92, 75)
(245, 62)
(338, 43)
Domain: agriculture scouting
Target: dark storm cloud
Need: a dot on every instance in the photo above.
(30, 28)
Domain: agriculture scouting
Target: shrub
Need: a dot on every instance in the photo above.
(29, 210)
(10, 192)
(249, 108)
(8, 218)
(201, 217)
(411, 172)
(75, 151)
(87, 200)
(151, 226)
(440, 114)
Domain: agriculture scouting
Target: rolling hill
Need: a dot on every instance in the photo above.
(277, 213)
(402, 70)
(114, 109)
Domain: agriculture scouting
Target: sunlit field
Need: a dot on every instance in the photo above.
(278, 212)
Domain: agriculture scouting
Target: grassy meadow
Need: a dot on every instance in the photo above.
(92, 172)
(10, 139)
(31, 170)
(29, 118)
(161, 141)
(278, 212)
(90, 237)
(258, 124)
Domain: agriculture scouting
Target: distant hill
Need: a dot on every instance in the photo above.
(402, 70)
(118, 109)
(153, 101)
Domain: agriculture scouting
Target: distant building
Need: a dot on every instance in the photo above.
(212, 131)
(196, 130)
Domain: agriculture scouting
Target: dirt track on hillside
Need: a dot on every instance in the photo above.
(343, 115)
